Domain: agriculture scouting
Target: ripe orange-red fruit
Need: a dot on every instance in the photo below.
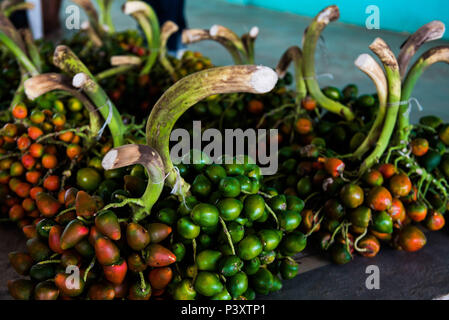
(49, 161)
(387, 170)
(20, 111)
(51, 183)
(255, 107)
(29, 231)
(10, 130)
(36, 150)
(76, 139)
(28, 204)
(16, 169)
(35, 132)
(66, 136)
(23, 189)
(419, 146)
(334, 166)
(73, 151)
(28, 161)
(58, 119)
(411, 239)
(33, 176)
(308, 103)
(400, 185)
(16, 212)
(303, 126)
(35, 191)
(23, 142)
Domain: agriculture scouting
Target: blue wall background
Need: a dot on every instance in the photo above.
(395, 15)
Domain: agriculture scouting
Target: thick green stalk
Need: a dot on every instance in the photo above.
(381, 49)
(430, 57)
(196, 35)
(114, 71)
(104, 7)
(19, 95)
(368, 65)
(66, 60)
(312, 35)
(190, 90)
(22, 58)
(148, 157)
(32, 49)
(294, 54)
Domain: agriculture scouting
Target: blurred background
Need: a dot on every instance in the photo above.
(282, 23)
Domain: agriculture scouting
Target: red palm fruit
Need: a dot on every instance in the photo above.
(16, 169)
(28, 204)
(303, 126)
(54, 239)
(419, 147)
(36, 150)
(434, 221)
(10, 130)
(5, 164)
(33, 176)
(58, 119)
(73, 151)
(334, 166)
(417, 211)
(37, 116)
(51, 183)
(400, 185)
(411, 239)
(71, 285)
(51, 149)
(61, 196)
(35, 191)
(136, 292)
(101, 291)
(16, 212)
(86, 205)
(73, 233)
(49, 161)
(21, 262)
(20, 111)
(107, 223)
(76, 139)
(70, 258)
(308, 103)
(158, 232)
(65, 217)
(370, 246)
(373, 178)
(29, 231)
(137, 236)
(20, 289)
(255, 106)
(37, 249)
(23, 189)
(381, 236)
(46, 290)
(121, 290)
(70, 197)
(106, 251)
(387, 170)
(94, 234)
(411, 197)
(34, 214)
(66, 136)
(34, 132)
(160, 277)
(397, 211)
(379, 199)
(116, 273)
(23, 142)
(4, 177)
(159, 256)
(47, 205)
(136, 263)
(28, 161)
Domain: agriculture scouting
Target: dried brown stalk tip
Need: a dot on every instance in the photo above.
(131, 154)
(293, 53)
(133, 7)
(328, 14)
(383, 51)
(125, 60)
